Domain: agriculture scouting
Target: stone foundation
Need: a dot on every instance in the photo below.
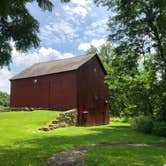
(65, 119)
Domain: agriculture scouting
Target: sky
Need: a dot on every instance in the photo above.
(67, 31)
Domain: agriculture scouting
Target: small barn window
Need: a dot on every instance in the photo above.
(35, 81)
(94, 70)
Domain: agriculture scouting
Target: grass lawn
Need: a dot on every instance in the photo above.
(22, 144)
(130, 156)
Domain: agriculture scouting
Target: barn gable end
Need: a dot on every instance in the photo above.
(93, 94)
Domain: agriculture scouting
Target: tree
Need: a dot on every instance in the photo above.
(4, 99)
(139, 26)
(17, 24)
(132, 84)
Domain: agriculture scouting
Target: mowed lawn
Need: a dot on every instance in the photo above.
(126, 156)
(22, 144)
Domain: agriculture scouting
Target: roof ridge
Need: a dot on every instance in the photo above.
(78, 56)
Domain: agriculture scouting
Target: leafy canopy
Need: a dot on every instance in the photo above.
(134, 87)
(138, 28)
(18, 25)
(139, 24)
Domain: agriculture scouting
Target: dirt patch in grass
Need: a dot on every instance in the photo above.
(75, 156)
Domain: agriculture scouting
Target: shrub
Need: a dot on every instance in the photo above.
(126, 119)
(4, 99)
(142, 123)
(115, 119)
(159, 128)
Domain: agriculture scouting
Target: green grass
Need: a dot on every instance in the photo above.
(22, 144)
(131, 156)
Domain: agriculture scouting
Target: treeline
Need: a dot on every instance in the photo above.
(137, 64)
(4, 99)
(133, 83)
(136, 87)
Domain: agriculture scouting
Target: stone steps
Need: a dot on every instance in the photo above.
(55, 122)
(65, 119)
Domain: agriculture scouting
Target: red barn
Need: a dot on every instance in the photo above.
(65, 84)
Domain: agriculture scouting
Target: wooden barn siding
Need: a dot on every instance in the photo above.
(56, 91)
(92, 93)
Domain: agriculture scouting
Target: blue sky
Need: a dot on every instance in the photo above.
(67, 31)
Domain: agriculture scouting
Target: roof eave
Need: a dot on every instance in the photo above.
(12, 79)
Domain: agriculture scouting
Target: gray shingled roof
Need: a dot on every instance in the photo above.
(51, 67)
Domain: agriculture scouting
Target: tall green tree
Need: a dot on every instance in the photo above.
(139, 26)
(18, 25)
(132, 83)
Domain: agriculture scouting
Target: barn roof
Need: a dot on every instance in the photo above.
(51, 67)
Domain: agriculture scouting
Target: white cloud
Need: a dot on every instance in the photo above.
(43, 54)
(75, 11)
(5, 75)
(66, 26)
(82, 2)
(58, 32)
(97, 28)
(72, 23)
(84, 46)
(99, 23)
(80, 11)
(96, 43)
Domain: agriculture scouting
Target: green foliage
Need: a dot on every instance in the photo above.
(146, 124)
(17, 24)
(92, 50)
(161, 97)
(124, 119)
(142, 123)
(159, 128)
(128, 156)
(139, 24)
(132, 83)
(4, 99)
(138, 28)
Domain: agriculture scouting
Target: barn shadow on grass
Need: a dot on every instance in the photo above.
(36, 151)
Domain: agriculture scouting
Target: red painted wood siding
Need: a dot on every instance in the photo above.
(92, 94)
(56, 91)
